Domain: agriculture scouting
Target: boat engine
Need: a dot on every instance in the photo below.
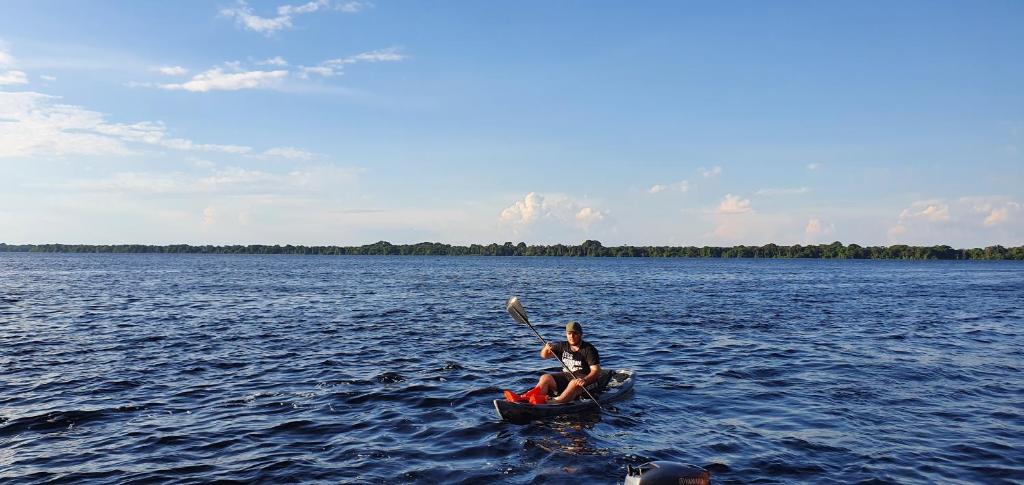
(666, 473)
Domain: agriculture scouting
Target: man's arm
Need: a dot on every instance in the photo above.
(547, 352)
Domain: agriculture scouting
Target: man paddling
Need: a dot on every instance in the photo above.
(584, 368)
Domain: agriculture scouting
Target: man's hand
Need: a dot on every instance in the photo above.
(546, 352)
(580, 382)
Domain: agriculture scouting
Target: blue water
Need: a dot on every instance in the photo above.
(121, 368)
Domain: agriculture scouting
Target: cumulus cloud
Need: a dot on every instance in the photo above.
(817, 230)
(976, 218)
(733, 204)
(247, 19)
(559, 209)
(36, 124)
(170, 70)
(733, 218)
(933, 211)
(710, 173)
(209, 216)
(773, 191)
(587, 216)
(681, 186)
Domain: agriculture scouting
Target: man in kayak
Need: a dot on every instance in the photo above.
(583, 367)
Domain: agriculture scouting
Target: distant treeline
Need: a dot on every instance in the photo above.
(835, 250)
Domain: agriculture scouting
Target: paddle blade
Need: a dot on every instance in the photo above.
(515, 309)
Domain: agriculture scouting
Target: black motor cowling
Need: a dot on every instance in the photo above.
(667, 473)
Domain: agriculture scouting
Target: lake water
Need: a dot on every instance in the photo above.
(123, 368)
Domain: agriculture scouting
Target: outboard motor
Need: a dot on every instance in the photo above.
(666, 473)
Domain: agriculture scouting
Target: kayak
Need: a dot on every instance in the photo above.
(618, 384)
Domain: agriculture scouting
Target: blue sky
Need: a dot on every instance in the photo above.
(348, 122)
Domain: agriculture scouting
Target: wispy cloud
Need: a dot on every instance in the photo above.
(13, 77)
(813, 166)
(37, 124)
(710, 173)
(681, 186)
(290, 153)
(772, 191)
(170, 70)
(273, 61)
(9, 76)
(47, 78)
(246, 18)
(6, 59)
(226, 79)
(335, 67)
(225, 181)
(232, 76)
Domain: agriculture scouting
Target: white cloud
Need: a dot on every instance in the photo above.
(324, 71)
(974, 220)
(335, 67)
(353, 6)
(681, 186)
(772, 191)
(6, 59)
(227, 181)
(587, 216)
(274, 61)
(733, 204)
(934, 211)
(553, 209)
(304, 8)
(13, 77)
(290, 153)
(45, 77)
(170, 70)
(813, 166)
(231, 76)
(996, 212)
(217, 79)
(710, 173)
(209, 216)
(247, 19)
(524, 211)
(816, 230)
(36, 124)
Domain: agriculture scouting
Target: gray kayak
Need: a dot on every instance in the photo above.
(617, 383)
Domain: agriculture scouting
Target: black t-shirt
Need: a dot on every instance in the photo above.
(578, 362)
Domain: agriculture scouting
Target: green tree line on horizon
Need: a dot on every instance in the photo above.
(589, 248)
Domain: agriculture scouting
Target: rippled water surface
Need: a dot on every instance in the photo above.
(118, 368)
